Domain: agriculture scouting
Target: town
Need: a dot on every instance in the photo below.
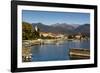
(48, 37)
(32, 36)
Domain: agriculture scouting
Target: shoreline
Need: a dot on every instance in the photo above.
(46, 41)
(27, 52)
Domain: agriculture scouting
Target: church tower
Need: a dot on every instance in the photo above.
(36, 29)
(37, 32)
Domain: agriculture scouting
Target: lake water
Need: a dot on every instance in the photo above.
(53, 52)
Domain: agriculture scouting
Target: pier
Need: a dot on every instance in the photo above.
(79, 53)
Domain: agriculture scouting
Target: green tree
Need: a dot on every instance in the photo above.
(28, 32)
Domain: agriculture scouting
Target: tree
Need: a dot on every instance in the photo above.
(28, 32)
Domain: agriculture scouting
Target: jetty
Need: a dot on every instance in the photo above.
(79, 53)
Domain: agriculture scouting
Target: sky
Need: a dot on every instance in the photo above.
(49, 18)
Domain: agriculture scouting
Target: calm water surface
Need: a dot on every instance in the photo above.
(52, 52)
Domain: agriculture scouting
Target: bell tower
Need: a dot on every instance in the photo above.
(36, 29)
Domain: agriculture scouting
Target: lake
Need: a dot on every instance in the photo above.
(57, 51)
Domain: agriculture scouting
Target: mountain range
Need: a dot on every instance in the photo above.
(64, 28)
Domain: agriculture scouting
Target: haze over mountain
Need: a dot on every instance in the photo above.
(61, 28)
(64, 28)
(75, 25)
(63, 25)
(84, 29)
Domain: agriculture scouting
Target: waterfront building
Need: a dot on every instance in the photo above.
(78, 36)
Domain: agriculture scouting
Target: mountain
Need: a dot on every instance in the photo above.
(43, 27)
(55, 28)
(64, 28)
(84, 29)
(64, 25)
(75, 25)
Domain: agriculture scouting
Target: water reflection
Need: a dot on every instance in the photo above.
(57, 51)
(35, 49)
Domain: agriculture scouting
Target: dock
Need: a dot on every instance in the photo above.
(79, 53)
